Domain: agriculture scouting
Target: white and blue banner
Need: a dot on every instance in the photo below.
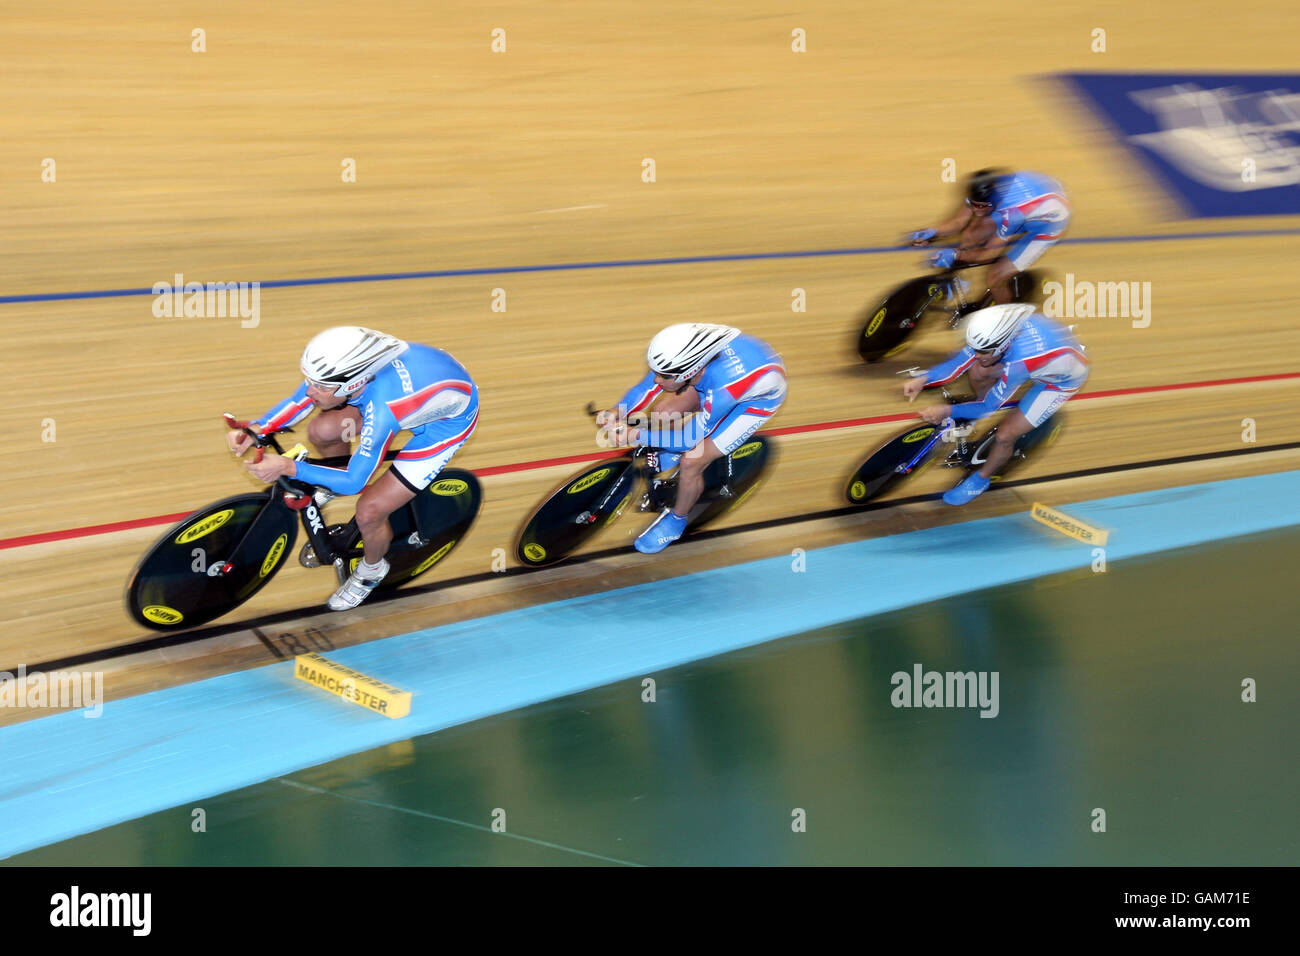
(1223, 145)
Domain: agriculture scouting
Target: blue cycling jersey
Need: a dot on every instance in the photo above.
(748, 369)
(1030, 203)
(423, 386)
(1043, 351)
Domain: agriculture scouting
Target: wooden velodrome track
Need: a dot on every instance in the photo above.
(225, 166)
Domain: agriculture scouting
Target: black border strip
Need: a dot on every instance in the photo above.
(269, 620)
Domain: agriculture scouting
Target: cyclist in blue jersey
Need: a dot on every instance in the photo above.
(732, 382)
(1008, 221)
(369, 386)
(1026, 346)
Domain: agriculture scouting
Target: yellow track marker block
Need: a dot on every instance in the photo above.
(352, 686)
(1071, 527)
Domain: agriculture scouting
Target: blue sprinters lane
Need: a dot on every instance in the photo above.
(624, 264)
(66, 775)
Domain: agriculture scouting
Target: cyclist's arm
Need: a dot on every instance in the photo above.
(638, 397)
(686, 437)
(953, 224)
(980, 253)
(671, 438)
(1014, 374)
(285, 414)
(376, 436)
(949, 371)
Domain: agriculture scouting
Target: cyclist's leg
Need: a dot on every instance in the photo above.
(413, 470)
(741, 422)
(1039, 404)
(1023, 253)
(376, 503)
(416, 465)
(331, 432)
(732, 432)
(690, 474)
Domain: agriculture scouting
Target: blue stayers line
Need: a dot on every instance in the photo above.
(65, 775)
(620, 264)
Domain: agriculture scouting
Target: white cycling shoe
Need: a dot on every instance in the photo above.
(356, 588)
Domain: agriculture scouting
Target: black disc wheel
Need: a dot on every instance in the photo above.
(731, 479)
(573, 514)
(880, 472)
(446, 510)
(212, 562)
(887, 324)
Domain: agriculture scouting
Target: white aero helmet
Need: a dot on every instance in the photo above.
(992, 329)
(682, 350)
(347, 357)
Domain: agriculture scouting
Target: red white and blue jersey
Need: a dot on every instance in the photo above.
(1032, 204)
(1043, 351)
(415, 392)
(747, 376)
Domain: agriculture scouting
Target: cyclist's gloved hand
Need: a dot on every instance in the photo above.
(943, 258)
(922, 236)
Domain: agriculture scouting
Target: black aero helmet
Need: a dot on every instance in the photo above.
(981, 186)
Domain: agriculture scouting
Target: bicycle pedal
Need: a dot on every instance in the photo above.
(586, 518)
(726, 492)
(417, 540)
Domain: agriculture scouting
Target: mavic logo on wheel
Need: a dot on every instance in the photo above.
(450, 487)
(434, 558)
(206, 526)
(746, 450)
(313, 516)
(875, 322)
(917, 435)
(160, 614)
(273, 555)
(534, 551)
(582, 484)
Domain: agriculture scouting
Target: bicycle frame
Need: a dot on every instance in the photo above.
(948, 425)
(299, 496)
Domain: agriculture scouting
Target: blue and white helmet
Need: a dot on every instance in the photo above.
(682, 350)
(994, 328)
(347, 357)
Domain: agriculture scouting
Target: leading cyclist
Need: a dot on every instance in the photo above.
(1008, 221)
(370, 386)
